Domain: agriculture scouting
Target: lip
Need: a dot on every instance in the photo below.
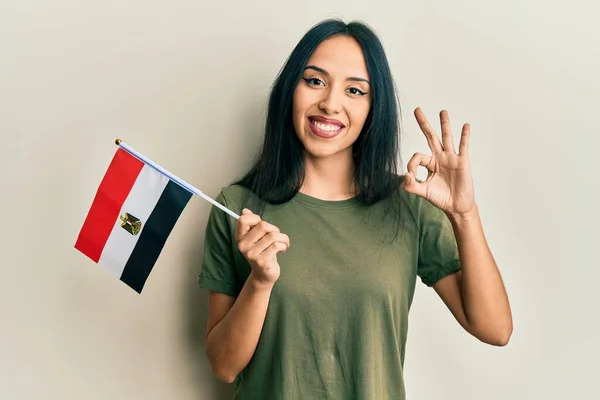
(324, 134)
(324, 120)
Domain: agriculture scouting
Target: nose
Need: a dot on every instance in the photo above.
(331, 102)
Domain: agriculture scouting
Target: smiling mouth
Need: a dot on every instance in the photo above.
(323, 129)
(326, 127)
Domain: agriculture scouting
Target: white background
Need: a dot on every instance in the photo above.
(185, 83)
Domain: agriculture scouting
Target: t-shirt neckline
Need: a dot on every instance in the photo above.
(313, 201)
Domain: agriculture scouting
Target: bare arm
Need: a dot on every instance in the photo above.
(234, 327)
(234, 324)
(476, 295)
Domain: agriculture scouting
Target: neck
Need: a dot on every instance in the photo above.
(330, 178)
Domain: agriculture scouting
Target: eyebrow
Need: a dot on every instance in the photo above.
(321, 70)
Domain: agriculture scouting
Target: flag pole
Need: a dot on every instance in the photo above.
(174, 178)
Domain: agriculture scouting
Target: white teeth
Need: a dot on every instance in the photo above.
(326, 127)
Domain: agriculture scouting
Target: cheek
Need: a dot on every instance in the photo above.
(302, 99)
(359, 114)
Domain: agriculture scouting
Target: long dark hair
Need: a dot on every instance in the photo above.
(278, 172)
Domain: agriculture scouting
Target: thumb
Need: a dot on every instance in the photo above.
(246, 211)
(409, 179)
(411, 185)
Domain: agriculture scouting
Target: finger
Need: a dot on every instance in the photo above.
(246, 222)
(255, 234)
(267, 240)
(432, 139)
(464, 140)
(418, 159)
(447, 139)
(273, 249)
(412, 186)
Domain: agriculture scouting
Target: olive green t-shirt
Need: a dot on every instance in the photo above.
(336, 325)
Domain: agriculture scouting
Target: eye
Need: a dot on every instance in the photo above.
(356, 91)
(314, 81)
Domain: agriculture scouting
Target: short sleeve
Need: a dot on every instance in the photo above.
(438, 251)
(218, 272)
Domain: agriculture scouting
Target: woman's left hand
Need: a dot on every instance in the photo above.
(449, 184)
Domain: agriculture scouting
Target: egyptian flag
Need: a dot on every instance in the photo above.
(130, 219)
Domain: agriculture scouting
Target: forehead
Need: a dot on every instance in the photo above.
(340, 55)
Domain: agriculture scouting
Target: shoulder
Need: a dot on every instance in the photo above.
(219, 222)
(236, 197)
(233, 193)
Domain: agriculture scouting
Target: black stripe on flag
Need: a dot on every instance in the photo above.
(171, 203)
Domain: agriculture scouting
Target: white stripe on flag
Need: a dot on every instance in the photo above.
(142, 199)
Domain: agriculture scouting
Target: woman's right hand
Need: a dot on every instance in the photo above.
(260, 242)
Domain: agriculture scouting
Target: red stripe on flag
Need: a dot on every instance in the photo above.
(110, 196)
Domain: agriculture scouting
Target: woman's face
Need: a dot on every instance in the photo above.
(332, 100)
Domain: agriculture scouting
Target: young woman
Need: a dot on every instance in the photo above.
(311, 288)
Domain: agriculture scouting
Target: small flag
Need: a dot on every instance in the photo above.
(132, 214)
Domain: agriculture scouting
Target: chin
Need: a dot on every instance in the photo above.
(317, 150)
(318, 154)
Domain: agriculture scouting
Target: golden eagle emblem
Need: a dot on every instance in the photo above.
(131, 224)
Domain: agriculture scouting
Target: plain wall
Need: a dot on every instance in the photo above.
(185, 83)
